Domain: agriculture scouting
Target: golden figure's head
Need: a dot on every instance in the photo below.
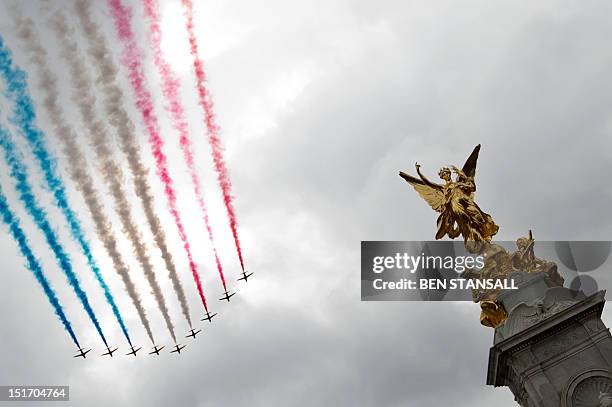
(522, 242)
(445, 174)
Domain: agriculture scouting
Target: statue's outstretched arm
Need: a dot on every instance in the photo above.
(423, 178)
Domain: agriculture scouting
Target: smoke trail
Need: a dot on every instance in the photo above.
(132, 56)
(118, 117)
(171, 87)
(213, 130)
(23, 117)
(18, 172)
(110, 171)
(76, 161)
(9, 218)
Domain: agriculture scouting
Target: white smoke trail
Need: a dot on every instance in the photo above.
(119, 119)
(77, 165)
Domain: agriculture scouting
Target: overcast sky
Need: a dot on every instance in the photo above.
(320, 104)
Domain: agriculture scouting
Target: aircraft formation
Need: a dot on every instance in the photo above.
(101, 86)
(177, 348)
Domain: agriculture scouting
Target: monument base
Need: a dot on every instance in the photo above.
(553, 350)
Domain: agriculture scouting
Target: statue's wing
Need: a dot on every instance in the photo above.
(469, 168)
(429, 191)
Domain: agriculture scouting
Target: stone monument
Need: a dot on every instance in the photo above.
(550, 346)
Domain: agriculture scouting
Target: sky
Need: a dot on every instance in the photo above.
(320, 104)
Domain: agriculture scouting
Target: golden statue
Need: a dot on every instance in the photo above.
(499, 264)
(524, 259)
(459, 214)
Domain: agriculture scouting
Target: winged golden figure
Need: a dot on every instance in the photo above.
(459, 214)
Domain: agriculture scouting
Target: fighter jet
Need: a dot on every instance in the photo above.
(245, 276)
(133, 352)
(208, 317)
(82, 353)
(178, 348)
(227, 296)
(193, 333)
(109, 352)
(156, 350)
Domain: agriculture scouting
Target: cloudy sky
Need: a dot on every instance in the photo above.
(321, 103)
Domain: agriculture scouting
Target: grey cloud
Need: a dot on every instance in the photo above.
(387, 84)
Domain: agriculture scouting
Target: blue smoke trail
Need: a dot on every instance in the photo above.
(12, 222)
(51, 92)
(19, 173)
(24, 117)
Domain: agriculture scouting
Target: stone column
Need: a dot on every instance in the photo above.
(553, 350)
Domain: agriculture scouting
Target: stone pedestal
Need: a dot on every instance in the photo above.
(553, 350)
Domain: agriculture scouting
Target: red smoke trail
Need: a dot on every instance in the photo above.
(132, 57)
(171, 87)
(213, 130)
